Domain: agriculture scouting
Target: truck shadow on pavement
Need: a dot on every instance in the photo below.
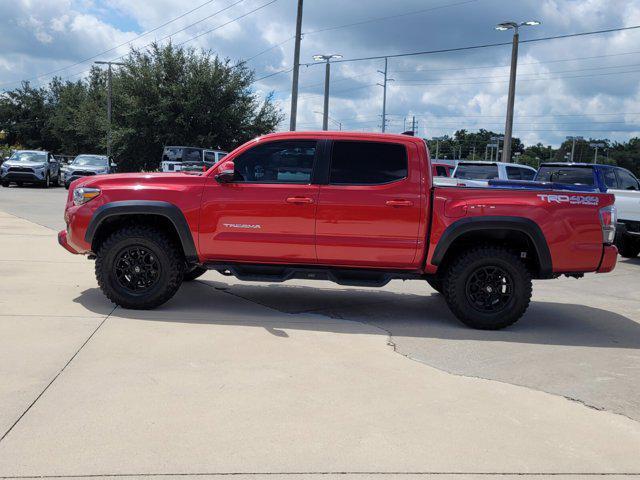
(400, 314)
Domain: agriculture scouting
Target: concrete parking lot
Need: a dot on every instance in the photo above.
(304, 379)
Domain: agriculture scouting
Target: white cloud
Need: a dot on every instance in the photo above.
(456, 93)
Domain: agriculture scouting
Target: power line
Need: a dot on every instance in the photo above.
(377, 19)
(476, 47)
(506, 66)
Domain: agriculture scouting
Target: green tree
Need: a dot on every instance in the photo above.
(174, 96)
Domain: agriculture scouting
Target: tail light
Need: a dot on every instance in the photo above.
(608, 218)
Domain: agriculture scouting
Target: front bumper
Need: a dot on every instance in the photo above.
(62, 240)
(22, 177)
(609, 259)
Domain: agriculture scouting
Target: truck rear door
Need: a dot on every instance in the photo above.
(369, 211)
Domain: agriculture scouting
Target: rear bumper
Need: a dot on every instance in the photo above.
(62, 240)
(609, 259)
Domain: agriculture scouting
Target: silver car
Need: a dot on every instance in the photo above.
(30, 166)
(86, 165)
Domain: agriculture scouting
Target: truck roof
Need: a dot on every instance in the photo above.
(343, 134)
(574, 164)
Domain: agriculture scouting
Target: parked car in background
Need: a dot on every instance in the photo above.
(86, 165)
(442, 169)
(174, 159)
(605, 178)
(478, 173)
(30, 166)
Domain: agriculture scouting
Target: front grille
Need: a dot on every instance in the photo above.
(82, 173)
(21, 169)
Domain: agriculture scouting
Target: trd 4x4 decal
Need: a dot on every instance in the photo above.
(570, 199)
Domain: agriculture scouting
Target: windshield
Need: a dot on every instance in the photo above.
(90, 160)
(40, 157)
(467, 171)
(570, 175)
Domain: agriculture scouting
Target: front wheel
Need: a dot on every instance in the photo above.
(47, 180)
(139, 267)
(488, 288)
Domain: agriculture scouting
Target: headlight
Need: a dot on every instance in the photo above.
(82, 195)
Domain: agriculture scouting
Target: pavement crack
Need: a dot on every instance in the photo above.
(55, 377)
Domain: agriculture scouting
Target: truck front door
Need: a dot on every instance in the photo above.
(369, 212)
(267, 214)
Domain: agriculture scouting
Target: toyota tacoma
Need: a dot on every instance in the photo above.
(357, 209)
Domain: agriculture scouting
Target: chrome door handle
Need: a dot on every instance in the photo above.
(399, 203)
(299, 200)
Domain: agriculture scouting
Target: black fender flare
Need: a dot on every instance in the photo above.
(146, 207)
(475, 224)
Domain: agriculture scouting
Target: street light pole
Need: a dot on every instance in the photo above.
(596, 146)
(573, 145)
(296, 70)
(508, 129)
(109, 92)
(327, 76)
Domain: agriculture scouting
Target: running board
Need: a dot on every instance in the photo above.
(354, 277)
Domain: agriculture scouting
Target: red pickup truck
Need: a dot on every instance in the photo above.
(357, 209)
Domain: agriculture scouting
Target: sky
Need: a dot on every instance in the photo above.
(583, 86)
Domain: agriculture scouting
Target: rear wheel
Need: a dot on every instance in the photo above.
(487, 288)
(5, 184)
(139, 267)
(193, 273)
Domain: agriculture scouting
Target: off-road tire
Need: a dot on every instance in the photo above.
(460, 273)
(628, 247)
(193, 273)
(168, 254)
(435, 283)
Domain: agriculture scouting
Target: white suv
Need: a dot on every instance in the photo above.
(478, 174)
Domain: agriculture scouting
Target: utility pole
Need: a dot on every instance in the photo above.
(327, 76)
(109, 92)
(473, 155)
(413, 124)
(296, 70)
(384, 93)
(508, 129)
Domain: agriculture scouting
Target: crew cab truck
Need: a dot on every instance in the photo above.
(605, 178)
(357, 209)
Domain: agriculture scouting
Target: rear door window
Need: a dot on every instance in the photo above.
(514, 173)
(527, 174)
(367, 163)
(570, 175)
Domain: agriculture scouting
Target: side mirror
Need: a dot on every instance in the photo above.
(113, 165)
(227, 175)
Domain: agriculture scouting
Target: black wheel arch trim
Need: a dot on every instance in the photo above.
(475, 224)
(146, 207)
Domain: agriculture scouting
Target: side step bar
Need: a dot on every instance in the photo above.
(355, 277)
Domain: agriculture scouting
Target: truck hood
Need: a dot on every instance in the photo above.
(140, 180)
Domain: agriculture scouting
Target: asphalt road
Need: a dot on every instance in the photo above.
(317, 366)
